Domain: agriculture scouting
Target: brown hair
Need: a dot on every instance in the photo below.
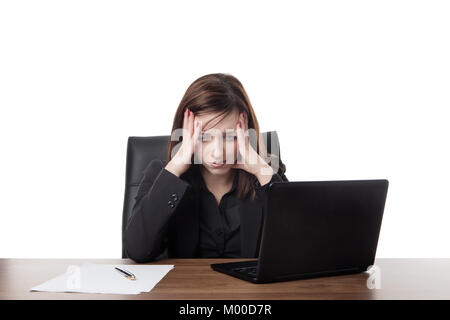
(222, 94)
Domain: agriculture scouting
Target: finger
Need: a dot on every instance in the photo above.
(191, 123)
(245, 119)
(240, 139)
(185, 113)
(245, 132)
(245, 126)
(198, 156)
(241, 120)
(197, 130)
(185, 121)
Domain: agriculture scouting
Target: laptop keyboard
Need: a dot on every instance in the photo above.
(250, 271)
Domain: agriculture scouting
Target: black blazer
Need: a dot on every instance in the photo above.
(164, 222)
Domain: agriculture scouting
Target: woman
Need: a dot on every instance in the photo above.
(208, 199)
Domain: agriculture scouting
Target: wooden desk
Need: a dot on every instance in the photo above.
(194, 279)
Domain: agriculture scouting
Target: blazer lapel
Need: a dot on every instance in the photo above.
(187, 219)
(187, 227)
(187, 224)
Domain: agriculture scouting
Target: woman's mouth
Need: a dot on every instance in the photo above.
(216, 165)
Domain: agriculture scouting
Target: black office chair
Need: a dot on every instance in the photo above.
(142, 150)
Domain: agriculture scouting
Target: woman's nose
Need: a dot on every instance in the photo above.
(218, 151)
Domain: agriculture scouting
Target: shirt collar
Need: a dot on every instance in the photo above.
(202, 183)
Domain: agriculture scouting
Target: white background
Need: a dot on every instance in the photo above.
(355, 90)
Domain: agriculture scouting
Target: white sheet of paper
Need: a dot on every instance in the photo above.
(104, 278)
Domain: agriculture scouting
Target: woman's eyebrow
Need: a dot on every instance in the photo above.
(232, 131)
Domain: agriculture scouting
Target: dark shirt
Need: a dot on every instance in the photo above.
(178, 217)
(220, 223)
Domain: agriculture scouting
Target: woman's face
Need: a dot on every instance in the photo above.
(218, 143)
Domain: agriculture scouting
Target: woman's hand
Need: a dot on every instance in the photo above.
(250, 161)
(191, 131)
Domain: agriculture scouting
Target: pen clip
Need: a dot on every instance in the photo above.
(131, 277)
(127, 274)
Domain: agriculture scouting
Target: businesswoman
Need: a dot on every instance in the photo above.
(207, 200)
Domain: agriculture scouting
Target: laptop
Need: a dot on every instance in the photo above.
(315, 229)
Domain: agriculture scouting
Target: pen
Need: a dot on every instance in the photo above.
(127, 274)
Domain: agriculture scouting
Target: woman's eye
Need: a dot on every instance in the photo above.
(207, 137)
